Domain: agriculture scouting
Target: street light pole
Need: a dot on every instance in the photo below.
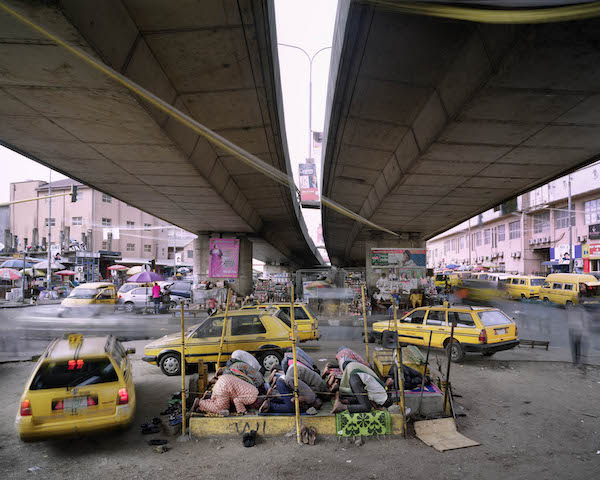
(49, 271)
(570, 230)
(310, 63)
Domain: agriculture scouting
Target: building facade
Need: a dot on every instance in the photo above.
(95, 222)
(531, 234)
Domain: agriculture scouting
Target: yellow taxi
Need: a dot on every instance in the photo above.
(523, 286)
(91, 298)
(80, 384)
(264, 333)
(306, 320)
(454, 280)
(482, 330)
(565, 288)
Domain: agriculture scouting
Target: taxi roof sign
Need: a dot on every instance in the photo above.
(75, 339)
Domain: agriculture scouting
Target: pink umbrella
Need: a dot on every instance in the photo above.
(64, 273)
(9, 274)
(118, 267)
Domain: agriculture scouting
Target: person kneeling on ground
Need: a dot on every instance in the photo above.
(245, 372)
(226, 390)
(280, 398)
(362, 390)
(246, 357)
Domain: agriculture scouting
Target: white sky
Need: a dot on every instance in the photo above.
(309, 25)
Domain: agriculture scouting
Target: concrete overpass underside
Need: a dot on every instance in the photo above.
(432, 121)
(215, 61)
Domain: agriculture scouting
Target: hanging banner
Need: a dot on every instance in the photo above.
(223, 259)
(398, 257)
(309, 189)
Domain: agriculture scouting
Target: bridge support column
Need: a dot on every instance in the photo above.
(242, 285)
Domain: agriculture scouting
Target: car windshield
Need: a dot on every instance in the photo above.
(74, 373)
(281, 315)
(83, 293)
(128, 287)
(493, 318)
(536, 282)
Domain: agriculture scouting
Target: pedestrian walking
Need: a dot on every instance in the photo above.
(156, 297)
(576, 319)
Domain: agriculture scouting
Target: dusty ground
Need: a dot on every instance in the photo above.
(528, 416)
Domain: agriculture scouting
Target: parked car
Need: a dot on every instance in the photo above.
(264, 333)
(308, 325)
(482, 330)
(564, 288)
(179, 288)
(80, 384)
(523, 286)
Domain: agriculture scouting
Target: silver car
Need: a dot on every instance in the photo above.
(136, 299)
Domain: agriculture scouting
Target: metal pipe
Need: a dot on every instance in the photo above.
(183, 392)
(425, 371)
(296, 399)
(400, 370)
(362, 289)
(570, 229)
(447, 390)
(223, 331)
(49, 271)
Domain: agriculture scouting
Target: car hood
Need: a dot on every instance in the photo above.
(172, 339)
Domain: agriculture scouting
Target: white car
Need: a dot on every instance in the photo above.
(138, 299)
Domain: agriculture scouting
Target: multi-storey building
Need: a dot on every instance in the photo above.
(531, 233)
(95, 222)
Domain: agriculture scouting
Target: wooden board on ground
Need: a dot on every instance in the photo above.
(442, 434)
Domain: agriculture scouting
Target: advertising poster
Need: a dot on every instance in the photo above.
(223, 259)
(309, 189)
(402, 270)
(594, 232)
(398, 257)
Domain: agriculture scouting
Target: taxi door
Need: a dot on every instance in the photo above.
(436, 326)
(204, 342)
(466, 330)
(410, 327)
(246, 332)
(107, 296)
(512, 287)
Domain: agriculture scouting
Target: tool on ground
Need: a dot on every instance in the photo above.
(425, 372)
(447, 389)
(224, 329)
(294, 337)
(364, 309)
(399, 370)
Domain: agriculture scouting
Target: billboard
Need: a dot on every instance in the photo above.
(223, 258)
(594, 232)
(309, 188)
(398, 257)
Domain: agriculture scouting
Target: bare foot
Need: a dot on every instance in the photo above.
(264, 408)
(338, 406)
(224, 413)
(269, 392)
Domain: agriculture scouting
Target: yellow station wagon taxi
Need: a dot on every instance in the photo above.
(264, 333)
(306, 320)
(523, 286)
(90, 298)
(80, 384)
(484, 330)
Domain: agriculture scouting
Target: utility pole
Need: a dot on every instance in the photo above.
(49, 271)
(570, 230)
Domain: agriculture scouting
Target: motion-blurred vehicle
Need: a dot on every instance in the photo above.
(484, 287)
(305, 318)
(564, 288)
(482, 330)
(523, 286)
(264, 333)
(454, 279)
(91, 299)
(80, 384)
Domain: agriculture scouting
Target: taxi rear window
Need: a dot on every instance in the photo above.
(492, 318)
(74, 373)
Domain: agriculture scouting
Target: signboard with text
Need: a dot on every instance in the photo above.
(224, 257)
(594, 232)
(398, 257)
(309, 188)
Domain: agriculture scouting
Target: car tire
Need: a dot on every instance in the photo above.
(172, 304)
(457, 353)
(523, 297)
(170, 364)
(269, 359)
(546, 301)
(569, 305)
(129, 307)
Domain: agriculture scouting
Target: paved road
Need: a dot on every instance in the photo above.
(26, 332)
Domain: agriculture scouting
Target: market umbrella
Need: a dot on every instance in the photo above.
(9, 274)
(136, 269)
(183, 270)
(146, 277)
(15, 264)
(53, 266)
(65, 273)
(452, 266)
(118, 267)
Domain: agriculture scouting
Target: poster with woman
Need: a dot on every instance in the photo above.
(223, 258)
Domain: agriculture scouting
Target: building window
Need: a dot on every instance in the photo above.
(77, 221)
(106, 222)
(147, 227)
(52, 222)
(131, 247)
(147, 248)
(461, 243)
(514, 230)
(104, 245)
(478, 242)
(487, 236)
(190, 254)
(106, 198)
(592, 212)
(454, 244)
(561, 219)
(501, 233)
(130, 224)
(541, 222)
